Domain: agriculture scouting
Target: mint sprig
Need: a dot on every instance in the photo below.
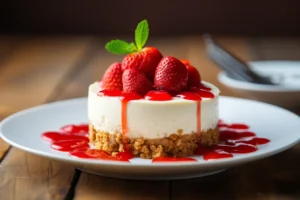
(141, 34)
(123, 47)
(120, 47)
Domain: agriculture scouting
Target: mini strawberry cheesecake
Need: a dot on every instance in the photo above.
(151, 105)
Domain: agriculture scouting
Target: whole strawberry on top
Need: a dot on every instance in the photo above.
(194, 79)
(171, 75)
(142, 59)
(135, 81)
(112, 78)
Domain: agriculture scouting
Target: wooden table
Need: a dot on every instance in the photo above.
(38, 70)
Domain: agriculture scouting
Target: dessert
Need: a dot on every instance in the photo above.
(151, 105)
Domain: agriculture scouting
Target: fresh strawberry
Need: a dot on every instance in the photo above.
(194, 78)
(145, 61)
(135, 81)
(171, 75)
(186, 62)
(112, 78)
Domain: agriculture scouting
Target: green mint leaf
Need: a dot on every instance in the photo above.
(132, 47)
(141, 34)
(120, 47)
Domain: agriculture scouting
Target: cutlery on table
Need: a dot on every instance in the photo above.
(232, 65)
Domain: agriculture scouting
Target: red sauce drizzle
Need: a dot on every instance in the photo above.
(204, 87)
(158, 96)
(216, 154)
(74, 139)
(69, 145)
(81, 129)
(58, 136)
(234, 135)
(205, 94)
(234, 138)
(100, 154)
(189, 96)
(125, 98)
(195, 97)
(233, 126)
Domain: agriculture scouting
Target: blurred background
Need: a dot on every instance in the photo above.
(55, 49)
(176, 17)
(51, 50)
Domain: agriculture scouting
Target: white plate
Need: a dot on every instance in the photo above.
(285, 73)
(23, 130)
(285, 94)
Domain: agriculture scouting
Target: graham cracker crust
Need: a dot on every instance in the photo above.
(176, 145)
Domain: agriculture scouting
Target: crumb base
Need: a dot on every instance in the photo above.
(176, 145)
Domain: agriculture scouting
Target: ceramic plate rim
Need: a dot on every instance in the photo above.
(226, 80)
(211, 163)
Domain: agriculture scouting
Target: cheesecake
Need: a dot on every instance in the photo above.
(151, 105)
(152, 128)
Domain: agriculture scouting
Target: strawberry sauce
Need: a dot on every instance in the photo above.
(74, 139)
(195, 97)
(125, 98)
(234, 140)
(204, 87)
(158, 96)
(100, 154)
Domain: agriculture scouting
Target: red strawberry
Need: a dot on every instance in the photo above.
(135, 81)
(112, 78)
(145, 61)
(170, 75)
(194, 79)
(186, 62)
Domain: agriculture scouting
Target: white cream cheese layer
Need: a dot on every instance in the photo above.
(152, 119)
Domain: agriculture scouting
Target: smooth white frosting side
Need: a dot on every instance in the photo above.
(152, 119)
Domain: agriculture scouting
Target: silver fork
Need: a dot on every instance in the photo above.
(232, 65)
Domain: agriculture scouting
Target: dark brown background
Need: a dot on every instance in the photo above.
(238, 17)
(62, 67)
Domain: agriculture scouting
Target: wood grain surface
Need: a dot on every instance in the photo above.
(34, 71)
(30, 77)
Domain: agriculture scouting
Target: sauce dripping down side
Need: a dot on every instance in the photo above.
(125, 98)
(194, 97)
